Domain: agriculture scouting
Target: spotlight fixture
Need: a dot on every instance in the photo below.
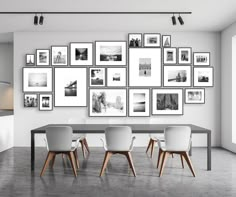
(41, 20)
(36, 20)
(173, 20)
(180, 20)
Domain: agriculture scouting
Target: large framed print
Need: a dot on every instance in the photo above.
(169, 55)
(177, 76)
(201, 59)
(37, 79)
(194, 96)
(107, 102)
(116, 77)
(81, 54)
(111, 53)
(167, 101)
(145, 67)
(59, 55)
(42, 57)
(70, 87)
(97, 77)
(185, 55)
(203, 77)
(45, 102)
(152, 40)
(139, 102)
(30, 100)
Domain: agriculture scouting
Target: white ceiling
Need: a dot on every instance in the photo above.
(207, 15)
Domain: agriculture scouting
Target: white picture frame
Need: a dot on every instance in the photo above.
(203, 76)
(42, 57)
(201, 58)
(185, 55)
(45, 102)
(195, 96)
(170, 55)
(59, 55)
(152, 40)
(97, 77)
(116, 77)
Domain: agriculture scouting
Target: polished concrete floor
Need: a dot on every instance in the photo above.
(16, 178)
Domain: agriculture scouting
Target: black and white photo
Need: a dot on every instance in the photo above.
(97, 77)
(166, 40)
(45, 102)
(169, 56)
(145, 67)
(203, 76)
(201, 59)
(135, 40)
(71, 88)
(59, 55)
(194, 96)
(42, 57)
(185, 55)
(30, 100)
(30, 61)
(116, 77)
(152, 40)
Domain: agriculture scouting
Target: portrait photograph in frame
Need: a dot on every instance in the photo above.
(145, 67)
(135, 40)
(194, 95)
(111, 53)
(201, 59)
(97, 77)
(166, 40)
(30, 60)
(177, 76)
(139, 102)
(30, 100)
(59, 55)
(116, 77)
(152, 40)
(107, 102)
(45, 102)
(42, 57)
(70, 87)
(169, 55)
(185, 55)
(81, 54)
(203, 77)
(37, 79)
(167, 101)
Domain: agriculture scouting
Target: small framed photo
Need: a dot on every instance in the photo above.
(194, 96)
(42, 57)
(45, 102)
(37, 79)
(185, 55)
(59, 55)
(203, 76)
(81, 54)
(30, 100)
(166, 40)
(169, 55)
(135, 40)
(97, 77)
(167, 101)
(30, 60)
(152, 40)
(107, 102)
(139, 102)
(111, 53)
(177, 76)
(116, 77)
(145, 67)
(201, 59)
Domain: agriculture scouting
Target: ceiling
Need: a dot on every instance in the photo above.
(207, 15)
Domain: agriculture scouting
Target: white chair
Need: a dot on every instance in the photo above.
(59, 142)
(153, 139)
(178, 141)
(119, 140)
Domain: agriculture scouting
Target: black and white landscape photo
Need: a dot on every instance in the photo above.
(59, 55)
(42, 57)
(45, 102)
(145, 67)
(30, 60)
(201, 59)
(195, 96)
(139, 102)
(97, 76)
(135, 40)
(116, 77)
(71, 88)
(169, 55)
(30, 100)
(177, 75)
(203, 76)
(185, 55)
(152, 40)
(111, 53)
(37, 80)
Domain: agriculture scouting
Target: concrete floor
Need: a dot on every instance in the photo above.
(16, 178)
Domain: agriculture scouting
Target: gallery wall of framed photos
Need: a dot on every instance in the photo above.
(138, 77)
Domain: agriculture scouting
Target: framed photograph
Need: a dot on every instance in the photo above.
(203, 76)
(111, 53)
(139, 102)
(116, 77)
(70, 87)
(30, 100)
(59, 55)
(107, 102)
(81, 54)
(167, 101)
(145, 67)
(166, 40)
(135, 40)
(169, 56)
(97, 77)
(201, 59)
(177, 76)
(30, 60)
(152, 40)
(185, 55)
(194, 96)
(45, 102)
(42, 57)
(37, 79)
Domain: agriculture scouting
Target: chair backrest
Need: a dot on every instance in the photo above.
(59, 138)
(118, 138)
(177, 138)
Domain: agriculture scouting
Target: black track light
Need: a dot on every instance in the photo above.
(41, 20)
(180, 20)
(173, 20)
(35, 20)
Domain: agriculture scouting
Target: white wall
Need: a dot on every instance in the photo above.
(226, 87)
(207, 115)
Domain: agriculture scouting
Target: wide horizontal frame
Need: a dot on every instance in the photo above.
(196, 89)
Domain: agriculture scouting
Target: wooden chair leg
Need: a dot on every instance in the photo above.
(165, 156)
(153, 143)
(83, 149)
(105, 161)
(149, 145)
(131, 164)
(86, 145)
(72, 161)
(182, 160)
(53, 160)
(189, 163)
(76, 159)
(159, 157)
(46, 163)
